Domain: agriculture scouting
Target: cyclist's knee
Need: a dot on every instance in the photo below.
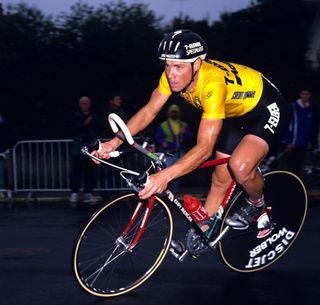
(241, 171)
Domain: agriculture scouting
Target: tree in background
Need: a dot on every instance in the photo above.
(46, 62)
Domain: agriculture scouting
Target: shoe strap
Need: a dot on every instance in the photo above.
(257, 203)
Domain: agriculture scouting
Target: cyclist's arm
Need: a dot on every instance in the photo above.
(147, 113)
(207, 136)
(140, 120)
(208, 132)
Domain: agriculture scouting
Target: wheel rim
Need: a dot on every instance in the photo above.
(105, 269)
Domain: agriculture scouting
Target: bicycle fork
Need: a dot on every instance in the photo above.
(121, 240)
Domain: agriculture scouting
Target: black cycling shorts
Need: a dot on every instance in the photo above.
(268, 120)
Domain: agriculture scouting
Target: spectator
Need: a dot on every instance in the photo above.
(85, 127)
(172, 136)
(301, 135)
(114, 105)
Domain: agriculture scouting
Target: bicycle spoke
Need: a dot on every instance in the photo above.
(103, 264)
(110, 259)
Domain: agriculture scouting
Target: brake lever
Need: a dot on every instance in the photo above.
(87, 149)
(137, 183)
(93, 145)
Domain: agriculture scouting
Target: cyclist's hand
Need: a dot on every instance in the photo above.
(103, 151)
(156, 184)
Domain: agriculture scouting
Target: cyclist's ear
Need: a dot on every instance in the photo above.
(197, 64)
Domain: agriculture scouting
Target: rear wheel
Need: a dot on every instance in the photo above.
(260, 246)
(103, 264)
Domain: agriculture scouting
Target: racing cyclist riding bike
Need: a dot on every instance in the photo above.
(243, 116)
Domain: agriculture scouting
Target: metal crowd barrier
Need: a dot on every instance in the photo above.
(5, 191)
(44, 165)
(41, 165)
(2, 172)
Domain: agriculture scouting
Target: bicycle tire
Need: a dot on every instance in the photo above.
(255, 249)
(102, 276)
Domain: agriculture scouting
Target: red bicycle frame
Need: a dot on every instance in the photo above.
(150, 203)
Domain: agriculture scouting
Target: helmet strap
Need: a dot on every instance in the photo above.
(184, 90)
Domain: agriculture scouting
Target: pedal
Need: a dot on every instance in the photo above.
(178, 250)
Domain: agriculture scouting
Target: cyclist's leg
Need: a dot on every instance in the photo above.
(263, 128)
(220, 182)
(243, 166)
(244, 162)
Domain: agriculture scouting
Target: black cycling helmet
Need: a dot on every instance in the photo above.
(182, 45)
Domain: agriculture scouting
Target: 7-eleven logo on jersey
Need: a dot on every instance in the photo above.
(263, 222)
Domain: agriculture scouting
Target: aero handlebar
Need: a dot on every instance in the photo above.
(124, 134)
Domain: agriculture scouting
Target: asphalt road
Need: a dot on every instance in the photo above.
(35, 262)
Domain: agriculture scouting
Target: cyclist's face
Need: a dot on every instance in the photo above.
(178, 74)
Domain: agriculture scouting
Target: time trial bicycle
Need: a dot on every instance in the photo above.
(126, 240)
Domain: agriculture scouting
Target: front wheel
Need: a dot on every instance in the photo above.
(103, 264)
(259, 246)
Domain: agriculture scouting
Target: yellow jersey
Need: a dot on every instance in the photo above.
(223, 89)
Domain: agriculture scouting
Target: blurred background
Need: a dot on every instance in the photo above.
(53, 52)
(48, 60)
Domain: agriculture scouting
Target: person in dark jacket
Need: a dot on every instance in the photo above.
(85, 126)
(302, 131)
(114, 105)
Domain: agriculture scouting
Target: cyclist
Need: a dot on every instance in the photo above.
(243, 116)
